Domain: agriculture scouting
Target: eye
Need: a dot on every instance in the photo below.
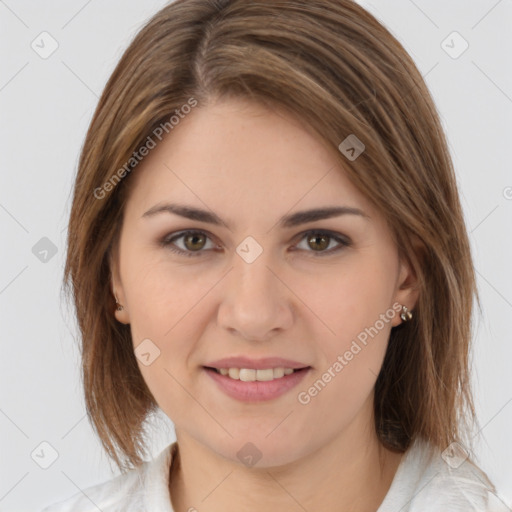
(320, 241)
(194, 241)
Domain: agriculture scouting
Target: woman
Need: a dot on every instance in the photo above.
(266, 243)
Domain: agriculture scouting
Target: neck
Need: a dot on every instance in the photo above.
(348, 473)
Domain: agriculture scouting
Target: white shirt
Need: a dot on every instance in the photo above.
(419, 485)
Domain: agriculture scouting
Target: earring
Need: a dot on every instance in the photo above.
(405, 314)
(119, 306)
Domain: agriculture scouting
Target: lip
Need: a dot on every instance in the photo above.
(256, 391)
(255, 364)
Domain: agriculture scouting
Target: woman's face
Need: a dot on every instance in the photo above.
(315, 294)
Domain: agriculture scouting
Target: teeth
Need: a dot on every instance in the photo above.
(234, 373)
(251, 375)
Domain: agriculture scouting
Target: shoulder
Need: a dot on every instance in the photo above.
(142, 488)
(428, 479)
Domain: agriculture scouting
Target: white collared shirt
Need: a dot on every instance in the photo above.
(421, 484)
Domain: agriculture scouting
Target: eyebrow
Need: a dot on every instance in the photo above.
(286, 221)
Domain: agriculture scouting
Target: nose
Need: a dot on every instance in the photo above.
(256, 304)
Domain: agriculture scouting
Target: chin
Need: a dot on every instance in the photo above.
(258, 452)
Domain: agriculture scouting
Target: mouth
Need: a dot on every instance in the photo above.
(256, 381)
(256, 375)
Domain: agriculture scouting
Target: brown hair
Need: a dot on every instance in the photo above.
(336, 68)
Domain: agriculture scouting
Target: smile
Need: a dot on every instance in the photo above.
(251, 385)
(251, 375)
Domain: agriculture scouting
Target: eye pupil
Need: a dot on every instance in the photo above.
(194, 237)
(323, 244)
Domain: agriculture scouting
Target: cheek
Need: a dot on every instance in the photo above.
(338, 390)
(356, 306)
(353, 298)
(165, 309)
(163, 296)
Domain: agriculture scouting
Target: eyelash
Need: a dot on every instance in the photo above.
(168, 240)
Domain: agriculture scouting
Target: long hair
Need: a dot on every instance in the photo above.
(334, 67)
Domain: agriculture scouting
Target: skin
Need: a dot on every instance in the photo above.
(295, 304)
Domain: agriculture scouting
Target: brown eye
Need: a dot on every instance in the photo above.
(318, 241)
(188, 243)
(194, 241)
(314, 243)
(322, 243)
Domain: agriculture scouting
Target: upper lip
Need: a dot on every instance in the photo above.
(256, 364)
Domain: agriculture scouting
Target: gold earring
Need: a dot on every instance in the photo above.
(405, 314)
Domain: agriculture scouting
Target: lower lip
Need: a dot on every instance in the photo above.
(257, 391)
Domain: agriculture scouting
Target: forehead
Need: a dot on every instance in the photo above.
(237, 153)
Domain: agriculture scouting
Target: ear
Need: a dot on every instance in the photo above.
(117, 289)
(407, 290)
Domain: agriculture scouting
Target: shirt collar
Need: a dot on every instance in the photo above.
(157, 496)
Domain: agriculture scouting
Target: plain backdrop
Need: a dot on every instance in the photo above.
(45, 107)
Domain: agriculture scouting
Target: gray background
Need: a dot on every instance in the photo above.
(45, 107)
